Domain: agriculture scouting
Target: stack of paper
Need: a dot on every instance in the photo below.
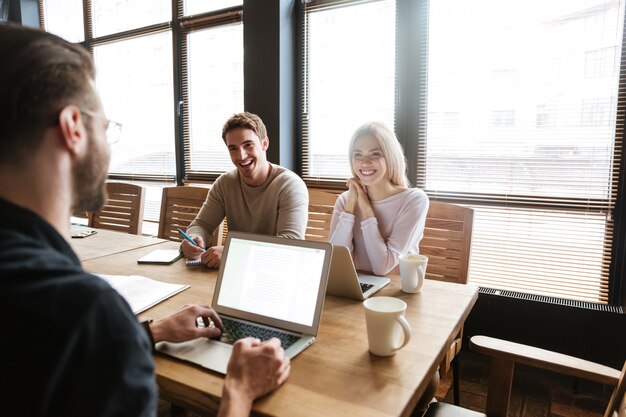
(141, 292)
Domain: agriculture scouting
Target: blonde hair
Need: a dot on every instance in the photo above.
(391, 149)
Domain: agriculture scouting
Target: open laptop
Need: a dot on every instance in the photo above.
(344, 281)
(267, 287)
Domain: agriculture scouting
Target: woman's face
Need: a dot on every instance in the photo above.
(368, 160)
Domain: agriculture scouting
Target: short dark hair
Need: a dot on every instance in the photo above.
(245, 120)
(40, 74)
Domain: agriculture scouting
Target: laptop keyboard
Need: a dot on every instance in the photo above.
(365, 287)
(235, 330)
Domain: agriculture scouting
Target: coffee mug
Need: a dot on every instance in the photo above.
(412, 272)
(387, 329)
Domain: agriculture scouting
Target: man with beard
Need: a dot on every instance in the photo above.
(256, 197)
(71, 345)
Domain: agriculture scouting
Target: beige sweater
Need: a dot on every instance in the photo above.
(279, 207)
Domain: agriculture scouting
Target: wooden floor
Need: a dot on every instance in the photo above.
(536, 393)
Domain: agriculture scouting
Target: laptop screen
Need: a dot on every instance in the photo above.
(276, 280)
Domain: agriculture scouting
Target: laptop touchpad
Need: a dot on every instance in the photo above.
(206, 353)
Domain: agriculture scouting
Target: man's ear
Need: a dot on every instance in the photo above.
(265, 143)
(72, 128)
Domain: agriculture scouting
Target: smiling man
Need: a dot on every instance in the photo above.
(256, 197)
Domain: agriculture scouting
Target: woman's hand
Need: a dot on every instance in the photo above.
(352, 196)
(362, 199)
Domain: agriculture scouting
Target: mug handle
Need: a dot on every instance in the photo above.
(420, 271)
(407, 331)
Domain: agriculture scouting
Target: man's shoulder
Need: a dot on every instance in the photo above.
(287, 177)
(228, 177)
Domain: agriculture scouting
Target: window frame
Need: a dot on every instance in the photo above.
(179, 26)
(411, 76)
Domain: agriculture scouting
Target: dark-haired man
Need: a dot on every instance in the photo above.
(71, 346)
(257, 196)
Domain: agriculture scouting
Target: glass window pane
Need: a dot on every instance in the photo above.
(527, 132)
(134, 78)
(534, 113)
(215, 93)
(64, 18)
(350, 78)
(112, 16)
(201, 6)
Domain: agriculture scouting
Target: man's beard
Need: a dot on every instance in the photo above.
(90, 176)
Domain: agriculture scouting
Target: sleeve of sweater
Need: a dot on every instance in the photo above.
(293, 209)
(210, 215)
(406, 234)
(341, 225)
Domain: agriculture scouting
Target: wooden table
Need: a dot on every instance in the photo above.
(109, 242)
(336, 376)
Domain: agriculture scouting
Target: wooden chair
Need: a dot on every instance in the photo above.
(506, 354)
(447, 241)
(123, 210)
(321, 205)
(179, 206)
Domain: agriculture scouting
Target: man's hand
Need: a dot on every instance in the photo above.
(182, 325)
(255, 369)
(191, 251)
(212, 258)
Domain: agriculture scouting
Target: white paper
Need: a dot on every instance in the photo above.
(141, 292)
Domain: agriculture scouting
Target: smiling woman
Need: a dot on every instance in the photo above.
(379, 218)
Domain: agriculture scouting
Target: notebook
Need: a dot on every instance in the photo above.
(271, 283)
(161, 256)
(344, 281)
(80, 231)
(141, 293)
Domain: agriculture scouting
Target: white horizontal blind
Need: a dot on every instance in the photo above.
(525, 131)
(64, 18)
(114, 16)
(349, 76)
(214, 87)
(139, 94)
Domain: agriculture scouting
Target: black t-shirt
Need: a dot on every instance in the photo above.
(69, 344)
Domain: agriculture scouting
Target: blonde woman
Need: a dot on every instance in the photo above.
(380, 217)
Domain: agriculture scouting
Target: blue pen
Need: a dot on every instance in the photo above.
(186, 236)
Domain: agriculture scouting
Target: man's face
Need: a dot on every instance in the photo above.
(248, 153)
(90, 173)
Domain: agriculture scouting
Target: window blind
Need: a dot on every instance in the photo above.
(212, 89)
(520, 123)
(348, 79)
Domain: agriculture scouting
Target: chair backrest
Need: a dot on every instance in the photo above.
(123, 210)
(447, 241)
(321, 205)
(617, 403)
(179, 206)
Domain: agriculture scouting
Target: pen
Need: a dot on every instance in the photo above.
(186, 236)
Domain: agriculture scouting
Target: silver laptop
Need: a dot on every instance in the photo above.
(344, 281)
(267, 287)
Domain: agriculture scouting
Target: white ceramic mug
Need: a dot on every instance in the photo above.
(387, 329)
(412, 272)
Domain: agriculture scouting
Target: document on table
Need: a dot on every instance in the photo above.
(141, 292)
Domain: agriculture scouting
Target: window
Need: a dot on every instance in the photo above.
(64, 18)
(544, 188)
(114, 16)
(350, 74)
(171, 79)
(139, 94)
(509, 108)
(212, 100)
